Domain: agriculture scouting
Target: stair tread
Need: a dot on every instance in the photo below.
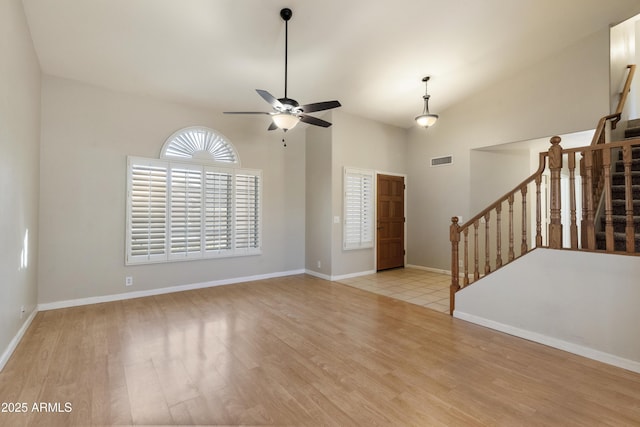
(623, 218)
(619, 186)
(632, 132)
(618, 235)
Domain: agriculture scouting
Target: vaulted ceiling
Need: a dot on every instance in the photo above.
(371, 55)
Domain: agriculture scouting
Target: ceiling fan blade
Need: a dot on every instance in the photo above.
(272, 126)
(314, 121)
(270, 99)
(320, 106)
(245, 112)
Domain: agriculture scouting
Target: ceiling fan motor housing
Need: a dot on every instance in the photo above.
(288, 102)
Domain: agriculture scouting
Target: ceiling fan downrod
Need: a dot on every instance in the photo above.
(286, 15)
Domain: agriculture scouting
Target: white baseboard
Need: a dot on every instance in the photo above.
(160, 291)
(16, 339)
(433, 270)
(317, 274)
(590, 353)
(340, 277)
(351, 275)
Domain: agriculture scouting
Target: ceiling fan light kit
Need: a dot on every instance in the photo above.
(426, 119)
(286, 111)
(285, 121)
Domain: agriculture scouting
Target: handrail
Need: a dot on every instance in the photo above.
(505, 197)
(598, 135)
(627, 88)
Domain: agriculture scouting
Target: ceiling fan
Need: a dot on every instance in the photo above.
(286, 111)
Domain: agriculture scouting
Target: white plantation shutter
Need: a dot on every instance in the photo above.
(147, 207)
(247, 215)
(198, 142)
(218, 201)
(181, 211)
(185, 197)
(358, 209)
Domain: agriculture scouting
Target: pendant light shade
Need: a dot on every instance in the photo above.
(426, 119)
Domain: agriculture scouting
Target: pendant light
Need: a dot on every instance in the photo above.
(426, 119)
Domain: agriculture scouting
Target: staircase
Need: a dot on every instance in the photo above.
(618, 196)
(618, 191)
(513, 225)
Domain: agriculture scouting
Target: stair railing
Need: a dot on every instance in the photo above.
(487, 244)
(595, 184)
(595, 169)
(462, 231)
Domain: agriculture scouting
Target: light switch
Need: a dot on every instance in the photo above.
(336, 219)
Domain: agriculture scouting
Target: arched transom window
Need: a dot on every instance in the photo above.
(200, 144)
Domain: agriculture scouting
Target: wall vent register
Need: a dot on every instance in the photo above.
(441, 161)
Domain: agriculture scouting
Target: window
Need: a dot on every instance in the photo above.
(192, 208)
(199, 143)
(358, 209)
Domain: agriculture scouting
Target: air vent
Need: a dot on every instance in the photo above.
(441, 161)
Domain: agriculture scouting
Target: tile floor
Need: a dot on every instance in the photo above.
(413, 285)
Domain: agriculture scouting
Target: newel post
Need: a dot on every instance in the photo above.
(454, 237)
(555, 165)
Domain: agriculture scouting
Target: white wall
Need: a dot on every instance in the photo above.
(624, 41)
(318, 199)
(19, 169)
(365, 144)
(489, 182)
(540, 297)
(565, 93)
(355, 142)
(87, 132)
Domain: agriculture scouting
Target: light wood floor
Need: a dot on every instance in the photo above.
(299, 351)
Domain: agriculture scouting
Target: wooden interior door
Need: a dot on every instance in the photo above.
(390, 227)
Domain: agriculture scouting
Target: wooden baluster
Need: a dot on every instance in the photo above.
(583, 221)
(555, 165)
(628, 196)
(511, 253)
(498, 236)
(538, 211)
(573, 228)
(466, 256)
(487, 266)
(523, 245)
(476, 266)
(454, 237)
(589, 226)
(596, 173)
(608, 200)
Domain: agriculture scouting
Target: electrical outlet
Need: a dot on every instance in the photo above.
(128, 281)
(22, 311)
(319, 264)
